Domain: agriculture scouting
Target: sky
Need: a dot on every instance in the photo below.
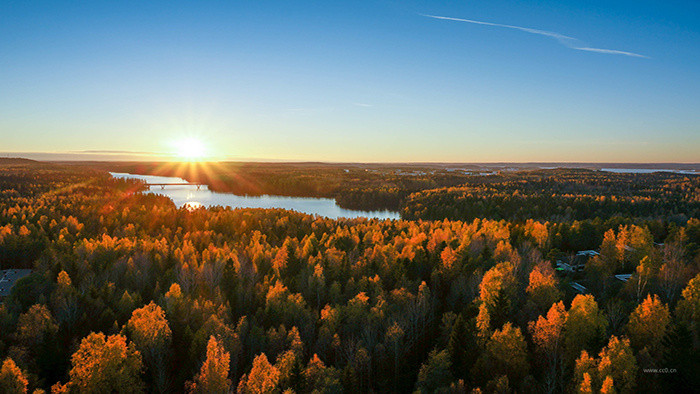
(353, 81)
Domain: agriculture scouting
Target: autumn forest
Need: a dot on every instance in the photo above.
(481, 287)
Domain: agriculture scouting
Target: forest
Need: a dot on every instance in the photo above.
(562, 195)
(129, 293)
(369, 187)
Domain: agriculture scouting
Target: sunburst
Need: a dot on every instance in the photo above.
(190, 149)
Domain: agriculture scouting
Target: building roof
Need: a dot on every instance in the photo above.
(589, 253)
(623, 277)
(578, 287)
(8, 278)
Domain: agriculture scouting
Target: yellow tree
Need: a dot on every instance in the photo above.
(34, 325)
(35, 335)
(12, 379)
(505, 354)
(318, 378)
(608, 386)
(547, 336)
(106, 364)
(288, 365)
(63, 279)
(618, 362)
(633, 243)
(641, 243)
(586, 386)
(64, 299)
(538, 231)
(313, 373)
(646, 269)
(585, 323)
(175, 303)
(149, 328)
(263, 378)
(497, 290)
(150, 332)
(585, 369)
(547, 332)
(483, 324)
(542, 287)
(689, 307)
(648, 324)
(608, 249)
(213, 376)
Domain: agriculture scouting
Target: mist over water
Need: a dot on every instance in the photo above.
(190, 196)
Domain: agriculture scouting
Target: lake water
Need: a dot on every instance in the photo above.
(646, 171)
(190, 196)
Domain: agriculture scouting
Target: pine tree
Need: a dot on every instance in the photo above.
(462, 346)
(435, 372)
(678, 354)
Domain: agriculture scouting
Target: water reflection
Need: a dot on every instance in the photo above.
(190, 197)
(192, 205)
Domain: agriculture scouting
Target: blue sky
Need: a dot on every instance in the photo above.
(355, 81)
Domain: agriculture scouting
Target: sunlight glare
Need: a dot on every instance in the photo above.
(190, 149)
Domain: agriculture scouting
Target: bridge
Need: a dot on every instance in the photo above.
(163, 185)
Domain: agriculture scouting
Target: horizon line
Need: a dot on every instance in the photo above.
(4, 155)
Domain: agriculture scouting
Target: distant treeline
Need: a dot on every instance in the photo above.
(562, 195)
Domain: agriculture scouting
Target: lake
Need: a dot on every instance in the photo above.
(190, 196)
(646, 171)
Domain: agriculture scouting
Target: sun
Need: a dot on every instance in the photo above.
(190, 149)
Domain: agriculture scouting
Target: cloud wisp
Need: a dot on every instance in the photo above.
(569, 42)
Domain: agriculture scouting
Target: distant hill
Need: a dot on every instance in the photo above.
(5, 161)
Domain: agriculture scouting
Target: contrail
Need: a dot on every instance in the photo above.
(610, 51)
(569, 42)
